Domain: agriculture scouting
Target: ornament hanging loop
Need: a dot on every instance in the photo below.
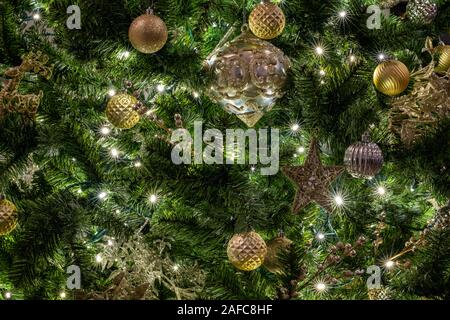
(366, 137)
(149, 11)
(245, 28)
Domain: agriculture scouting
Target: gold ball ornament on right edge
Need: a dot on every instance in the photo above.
(8, 217)
(444, 59)
(121, 112)
(267, 20)
(391, 77)
(148, 33)
(246, 251)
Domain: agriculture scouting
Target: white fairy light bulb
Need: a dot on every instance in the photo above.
(339, 200)
(105, 131)
(320, 236)
(321, 287)
(319, 50)
(161, 88)
(114, 153)
(111, 92)
(381, 190)
(295, 127)
(125, 55)
(153, 198)
(102, 195)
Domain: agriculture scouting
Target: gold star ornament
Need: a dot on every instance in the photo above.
(313, 180)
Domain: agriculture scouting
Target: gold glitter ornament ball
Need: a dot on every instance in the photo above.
(246, 251)
(267, 20)
(391, 77)
(444, 59)
(120, 111)
(148, 33)
(8, 217)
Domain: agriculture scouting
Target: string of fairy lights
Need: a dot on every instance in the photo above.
(338, 197)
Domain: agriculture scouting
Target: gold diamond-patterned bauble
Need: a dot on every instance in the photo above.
(391, 77)
(444, 59)
(379, 294)
(422, 11)
(121, 112)
(267, 20)
(8, 217)
(246, 251)
(364, 159)
(148, 33)
(247, 76)
(276, 248)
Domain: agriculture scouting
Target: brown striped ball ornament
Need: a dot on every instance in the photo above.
(364, 159)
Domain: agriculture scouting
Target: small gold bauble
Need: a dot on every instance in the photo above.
(148, 33)
(378, 294)
(391, 77)
(247, 251)
(444, 59)
(120, 111)
(8, 217)
(267, 21)
(276, 248)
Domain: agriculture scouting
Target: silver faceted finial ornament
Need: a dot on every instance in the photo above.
(247, 76)
(364, 159)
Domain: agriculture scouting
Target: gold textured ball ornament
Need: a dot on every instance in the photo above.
(267, 20)
(276, 248)
(121, 112)
(391, 77)
(246, 251)
(8, 217)
(148, 33)
(444, 59)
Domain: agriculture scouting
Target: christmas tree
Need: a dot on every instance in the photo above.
(121, 177)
